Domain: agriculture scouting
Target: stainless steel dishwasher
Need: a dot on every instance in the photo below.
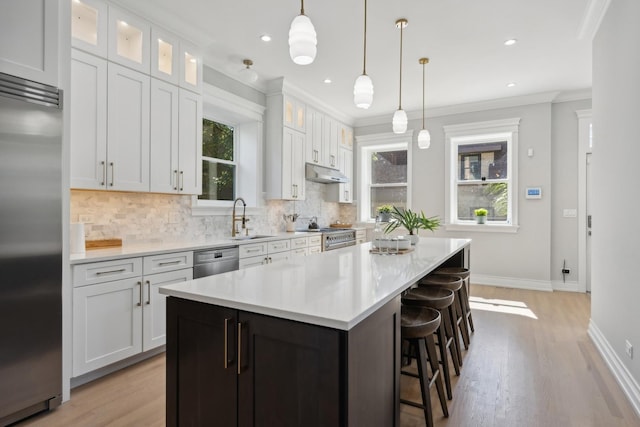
(215, 261)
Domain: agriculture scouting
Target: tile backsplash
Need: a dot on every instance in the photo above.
(150, 217)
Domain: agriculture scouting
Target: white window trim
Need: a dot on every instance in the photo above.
(368, 143)
(479, 132)
(232, 110)
(585, 120)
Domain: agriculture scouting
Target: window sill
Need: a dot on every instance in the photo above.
(483, 228)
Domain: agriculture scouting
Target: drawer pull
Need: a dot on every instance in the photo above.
(253, 250)
(121, 270)
(163, 264)
(139, 304)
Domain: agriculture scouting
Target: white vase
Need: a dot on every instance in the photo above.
(414, 238)
(481, 219)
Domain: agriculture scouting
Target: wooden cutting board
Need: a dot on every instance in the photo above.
(340, 225)
(104, 243)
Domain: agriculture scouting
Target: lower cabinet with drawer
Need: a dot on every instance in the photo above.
(255, 254)
(117, 309)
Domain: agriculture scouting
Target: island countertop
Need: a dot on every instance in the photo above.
(336, 289)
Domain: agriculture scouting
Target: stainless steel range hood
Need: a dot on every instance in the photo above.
(325, 175)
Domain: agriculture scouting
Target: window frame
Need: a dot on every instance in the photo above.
(476, 133)
(234, 162)
(367, 144)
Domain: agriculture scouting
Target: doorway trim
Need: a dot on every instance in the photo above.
(584, 147)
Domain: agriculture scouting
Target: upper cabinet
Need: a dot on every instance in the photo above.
(89, 22)
(190, 67)
(29, 42)
(294, 113)
(165, 56)
(314, 142)
(346, 137)
(129, 40)
(331, 137)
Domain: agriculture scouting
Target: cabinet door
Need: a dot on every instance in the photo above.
(253, 261)
(163, 165)
(201, 364)
(279, 257)
(155, 308)
(107, 323)
(190, 68)
(165, 55)
(290, 373)
(129, 40)
(330, 147)
(128, 129)
(346, 137)
(315, 123)
(88, 122)
(294, 114)
(293, 173)
(89, 21)
(190, 147)
(29, 42)
(346, 167)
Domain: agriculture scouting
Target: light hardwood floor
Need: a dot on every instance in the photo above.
(530, 363)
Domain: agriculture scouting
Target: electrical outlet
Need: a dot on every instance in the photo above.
(566, 271)
(629, 349)
(85, 218)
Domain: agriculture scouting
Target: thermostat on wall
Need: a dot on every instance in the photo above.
(534, 193)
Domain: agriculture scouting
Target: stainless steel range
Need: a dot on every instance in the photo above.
(335, 238)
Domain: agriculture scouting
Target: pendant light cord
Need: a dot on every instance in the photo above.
(400, 95)
(423, 64)
(364, 63)
(301, 7)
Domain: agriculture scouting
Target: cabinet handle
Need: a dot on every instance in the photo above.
(181, 180)
(162, 264)
(239, 348)
(226, 343)
(104, 172)
(99, 273)
(140, 299)
(148, 292)
(175, 183)
(112, 173)
(333, 160)
(253, 250)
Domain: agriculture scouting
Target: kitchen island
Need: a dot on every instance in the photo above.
(313, 342)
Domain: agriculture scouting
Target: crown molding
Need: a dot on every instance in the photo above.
(592, 18)
(238, 106)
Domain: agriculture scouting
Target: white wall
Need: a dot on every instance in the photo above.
(615, 302)
(528, 258)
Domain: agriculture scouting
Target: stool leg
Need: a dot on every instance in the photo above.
(455, 332)
(461, 319)
(444, 361)
(451, 339)
(467, 306)
(424, 381)
(436, 373)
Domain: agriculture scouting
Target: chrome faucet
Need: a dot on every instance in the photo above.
(235, 218)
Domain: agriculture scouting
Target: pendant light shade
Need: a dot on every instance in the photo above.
(424, 137)
(247, 74)
(302, 39)
(399, 121)
(363, 88)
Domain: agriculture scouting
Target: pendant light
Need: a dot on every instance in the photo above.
(363, 88)
(302, 39)
(247, 74)
(400, 116)
(424, 138)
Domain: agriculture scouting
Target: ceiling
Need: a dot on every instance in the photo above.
(464, 40)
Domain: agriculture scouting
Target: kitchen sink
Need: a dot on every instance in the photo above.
(258, 236)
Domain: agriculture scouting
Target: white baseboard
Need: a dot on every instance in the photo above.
(559, 285)
(511, 282)
(620, 372)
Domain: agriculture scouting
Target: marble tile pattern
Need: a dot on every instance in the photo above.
(150, 218)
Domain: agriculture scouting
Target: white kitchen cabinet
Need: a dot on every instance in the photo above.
(89, 23)
(165, 56)
(29, 43)
(294, 113)
(88, 121)
(176, 139)
(129, 40)
(314, 141)
(343, 192)
(292, 169)
(361, 236)
(190, 67)
(262, 253)
(330, 146)
(127, 129)
(346, 137)
(315, 244)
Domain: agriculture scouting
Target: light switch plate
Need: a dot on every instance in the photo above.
(570, 213)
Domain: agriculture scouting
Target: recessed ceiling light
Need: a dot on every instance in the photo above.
(511, 84)
(510, 42)
(265, 38)
(327, 80)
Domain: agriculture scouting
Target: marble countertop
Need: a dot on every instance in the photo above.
(336, 289)
(144, 249)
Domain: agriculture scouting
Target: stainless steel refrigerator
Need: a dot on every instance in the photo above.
(30, 248)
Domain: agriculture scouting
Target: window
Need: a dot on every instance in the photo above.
(385, 168)
(218, 161)
(481, 170)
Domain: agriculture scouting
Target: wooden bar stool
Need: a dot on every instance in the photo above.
(440, 299)
(418, 325)
(453, 283)
(464, 273)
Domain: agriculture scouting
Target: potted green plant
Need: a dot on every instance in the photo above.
(412, 222)
(384, 213)
(481, 215)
